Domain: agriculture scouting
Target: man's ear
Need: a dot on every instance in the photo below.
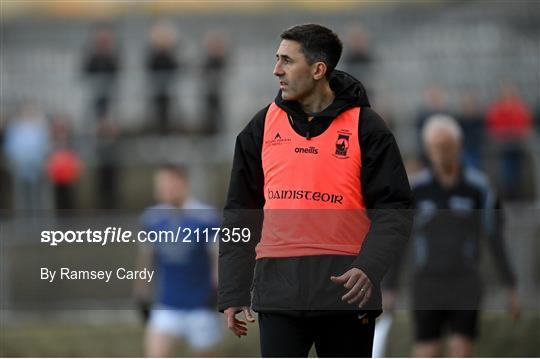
(319, 70)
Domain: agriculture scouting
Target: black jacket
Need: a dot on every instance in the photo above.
(303, 283)
(445, 248)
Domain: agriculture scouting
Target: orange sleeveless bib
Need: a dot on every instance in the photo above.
(312, 188)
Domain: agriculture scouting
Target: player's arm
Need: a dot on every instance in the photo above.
(243, 209)
(145, 260)
(494, 230)
(213, 253)
(143, 289)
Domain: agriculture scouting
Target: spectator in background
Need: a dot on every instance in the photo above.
(456, 209)
(63, 165)
(107, 163)
(471, 120)
(358, 59)
(101, 66)
(509, 123)
(184, 294)
(434, 102)
(162, 66)
(26, 146)
(213, 76)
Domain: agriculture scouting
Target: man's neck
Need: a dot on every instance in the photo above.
(318, 100)
(179, 203)
(448, 177)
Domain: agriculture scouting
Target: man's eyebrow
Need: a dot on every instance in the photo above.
(284, 56)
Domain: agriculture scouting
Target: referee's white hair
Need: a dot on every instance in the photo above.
(442, 122)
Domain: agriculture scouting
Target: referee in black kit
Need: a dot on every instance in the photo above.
(455, 208)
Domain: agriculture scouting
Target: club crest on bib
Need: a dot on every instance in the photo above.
(342, 145)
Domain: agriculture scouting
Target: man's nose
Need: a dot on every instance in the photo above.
(278, 70)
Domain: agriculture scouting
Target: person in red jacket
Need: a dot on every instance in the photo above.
(318, 179)
(509, 122)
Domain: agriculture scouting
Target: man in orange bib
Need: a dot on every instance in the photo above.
(318, 179)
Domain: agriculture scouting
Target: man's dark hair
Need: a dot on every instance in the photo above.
(179, 170)
(318, 44)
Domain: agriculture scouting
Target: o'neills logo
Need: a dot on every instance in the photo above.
(312, 149)
(307, 195)
(278, 140)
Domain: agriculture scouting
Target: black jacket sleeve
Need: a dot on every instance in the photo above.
(243, 209)
(387, 196)
(393, 276)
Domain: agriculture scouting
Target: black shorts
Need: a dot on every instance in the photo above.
(335, 334)
(430, 324)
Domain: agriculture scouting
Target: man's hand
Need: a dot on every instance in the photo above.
(238, 327)
(359, 286)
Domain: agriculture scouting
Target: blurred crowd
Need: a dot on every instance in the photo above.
(502, 129)
(40, 148)
(163, 65)
(43, 163)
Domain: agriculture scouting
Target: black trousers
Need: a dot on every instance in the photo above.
(335, 334)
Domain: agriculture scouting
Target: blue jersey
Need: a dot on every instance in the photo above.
(183, 269)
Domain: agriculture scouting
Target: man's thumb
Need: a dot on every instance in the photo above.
(341, 279)
(248, 315)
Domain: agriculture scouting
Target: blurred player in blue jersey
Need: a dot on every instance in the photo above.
(183, 293)
(455, 208)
